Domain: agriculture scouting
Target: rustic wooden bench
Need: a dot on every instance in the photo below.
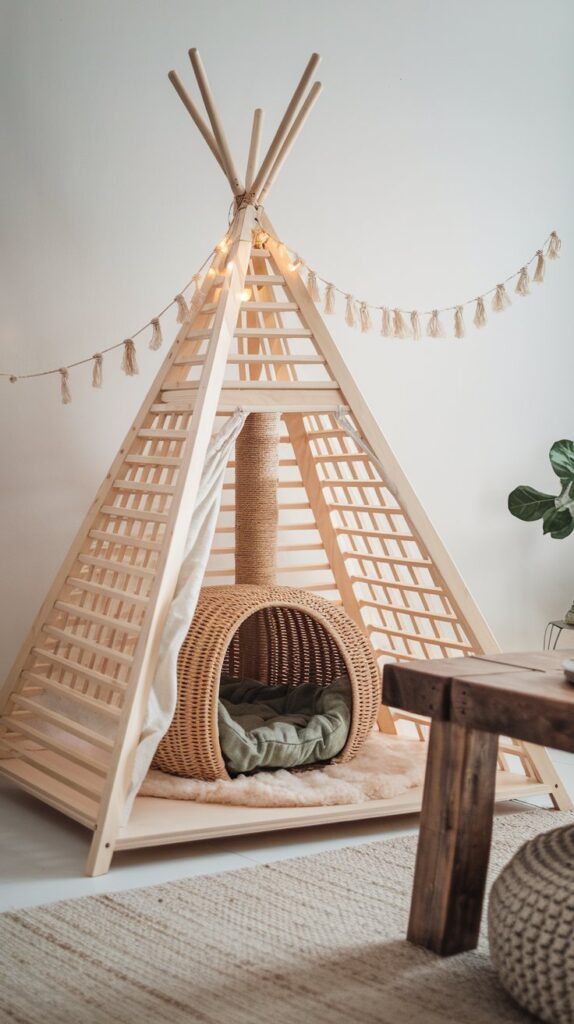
(471, 701)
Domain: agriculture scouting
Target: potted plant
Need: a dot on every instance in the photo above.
(555, 511)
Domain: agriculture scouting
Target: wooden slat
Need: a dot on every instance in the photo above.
(79, 670)
(104, 591)
(63, 722)
(19, 725)
(102, 650)
(153, 460)
(163, 435)
(45, 683)
(61, 774)
(111, 565)
(142, 487)
(134, 513)
(125, 540)
(87, 615)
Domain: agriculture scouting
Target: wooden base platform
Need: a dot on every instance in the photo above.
(158, 822)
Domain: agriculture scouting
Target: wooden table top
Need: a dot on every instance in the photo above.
(522, 695)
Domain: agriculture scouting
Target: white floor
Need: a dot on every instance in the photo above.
(42, 853)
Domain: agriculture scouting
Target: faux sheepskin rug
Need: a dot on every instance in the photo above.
(385, 767)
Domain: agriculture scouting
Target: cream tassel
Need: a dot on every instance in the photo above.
(415, 325)
(65, 386)
(399, 325)
(129, 362)
(479, 319)
(386, 329)
(500, 301)
(364, 317)
(459, 331)
(196, 297)
(434, 326)
(523, 282)
(554, 246)
(329, 305)
(312, 286)
(182, 310)
(350, 318)
(539, 272)
(156, 338)
(97, 370)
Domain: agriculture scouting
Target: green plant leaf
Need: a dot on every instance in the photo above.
(562, 459)
(556, 520)
(528, 504)
(564, 532)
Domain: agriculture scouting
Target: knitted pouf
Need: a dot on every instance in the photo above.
(531, 926)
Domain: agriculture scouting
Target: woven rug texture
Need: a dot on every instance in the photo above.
(312, 940)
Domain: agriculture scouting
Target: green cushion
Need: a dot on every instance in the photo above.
(282, 726)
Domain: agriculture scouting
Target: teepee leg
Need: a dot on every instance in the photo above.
(100, 856)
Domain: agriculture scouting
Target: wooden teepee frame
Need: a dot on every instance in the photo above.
(73, 705)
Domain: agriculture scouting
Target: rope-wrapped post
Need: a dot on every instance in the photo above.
(256, 522)
(256, 508)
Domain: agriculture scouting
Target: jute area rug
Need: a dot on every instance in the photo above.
(314, 940)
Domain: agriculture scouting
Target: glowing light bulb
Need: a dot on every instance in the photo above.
(223, 246)
(211, 272)
(245, 295)
(229, 267)
(295, 264)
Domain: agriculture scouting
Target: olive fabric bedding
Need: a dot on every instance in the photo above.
(284, 726)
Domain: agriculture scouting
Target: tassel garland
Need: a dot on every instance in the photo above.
(312, 286)
(97, 370)
(479, 319)
(399, 325)
(523, 282)
(350, 318)
(386, 329)
(434, 326)
(554, 246)
(364, 317)
(539, 271)
(182, 310)
(129, 362)
(415, 325)
(458, 323)
(329, 304)
(65, 386)
(500, 301)
(156, 338)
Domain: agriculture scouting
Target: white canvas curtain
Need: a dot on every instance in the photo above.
(163, 694)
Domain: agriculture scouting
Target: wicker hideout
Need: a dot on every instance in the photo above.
(277, 635)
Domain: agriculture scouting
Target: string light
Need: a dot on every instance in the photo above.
(295, 264)
(245, 295)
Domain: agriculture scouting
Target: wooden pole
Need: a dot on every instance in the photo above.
(196, 116)
(288, 143)
(253, 148)
(236, 184)
(284, 126)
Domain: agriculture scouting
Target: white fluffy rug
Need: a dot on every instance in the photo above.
(385, 767)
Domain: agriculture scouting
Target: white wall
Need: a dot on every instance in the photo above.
(438, 158)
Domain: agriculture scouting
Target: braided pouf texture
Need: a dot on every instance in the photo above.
(273, 634)
(531, 926)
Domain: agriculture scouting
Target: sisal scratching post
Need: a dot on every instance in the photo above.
(256, 519)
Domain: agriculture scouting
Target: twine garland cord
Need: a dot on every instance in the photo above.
(154, 343)
(552, 245)
(396, 322)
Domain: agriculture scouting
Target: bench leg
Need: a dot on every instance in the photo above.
(454, 840)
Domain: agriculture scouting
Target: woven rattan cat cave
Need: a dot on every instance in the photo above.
(314, 503)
